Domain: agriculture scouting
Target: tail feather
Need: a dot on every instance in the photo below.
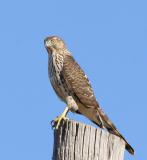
(130, 149)
(116, 132)
(112, 129)
(97, 116)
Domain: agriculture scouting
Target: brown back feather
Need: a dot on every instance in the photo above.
(77, 82)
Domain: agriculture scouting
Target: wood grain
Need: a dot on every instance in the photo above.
(77, 141)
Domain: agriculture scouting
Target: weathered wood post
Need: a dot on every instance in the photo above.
(77, 141)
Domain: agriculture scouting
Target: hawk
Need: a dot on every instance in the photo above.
(73, 87)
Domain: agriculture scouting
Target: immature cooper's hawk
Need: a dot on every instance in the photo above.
(73, 87)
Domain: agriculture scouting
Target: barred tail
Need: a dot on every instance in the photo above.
(112, 129)
(129, 149)
(116, 132)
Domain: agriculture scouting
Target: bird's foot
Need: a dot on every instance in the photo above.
(57, 121)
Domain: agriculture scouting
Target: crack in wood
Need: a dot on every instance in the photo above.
(77, 141)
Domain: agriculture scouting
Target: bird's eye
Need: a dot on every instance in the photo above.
(52, 41)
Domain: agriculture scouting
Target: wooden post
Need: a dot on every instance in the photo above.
(77, 141)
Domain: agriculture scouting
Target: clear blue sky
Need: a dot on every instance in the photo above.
(109, 41)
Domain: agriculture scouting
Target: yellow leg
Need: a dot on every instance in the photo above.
(58, 120)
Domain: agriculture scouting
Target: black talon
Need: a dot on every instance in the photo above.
(53, 124)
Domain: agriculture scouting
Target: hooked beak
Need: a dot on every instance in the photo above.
(47, 44)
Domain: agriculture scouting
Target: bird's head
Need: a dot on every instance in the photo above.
(54, 43)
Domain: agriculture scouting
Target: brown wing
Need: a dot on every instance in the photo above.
(77, 82)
